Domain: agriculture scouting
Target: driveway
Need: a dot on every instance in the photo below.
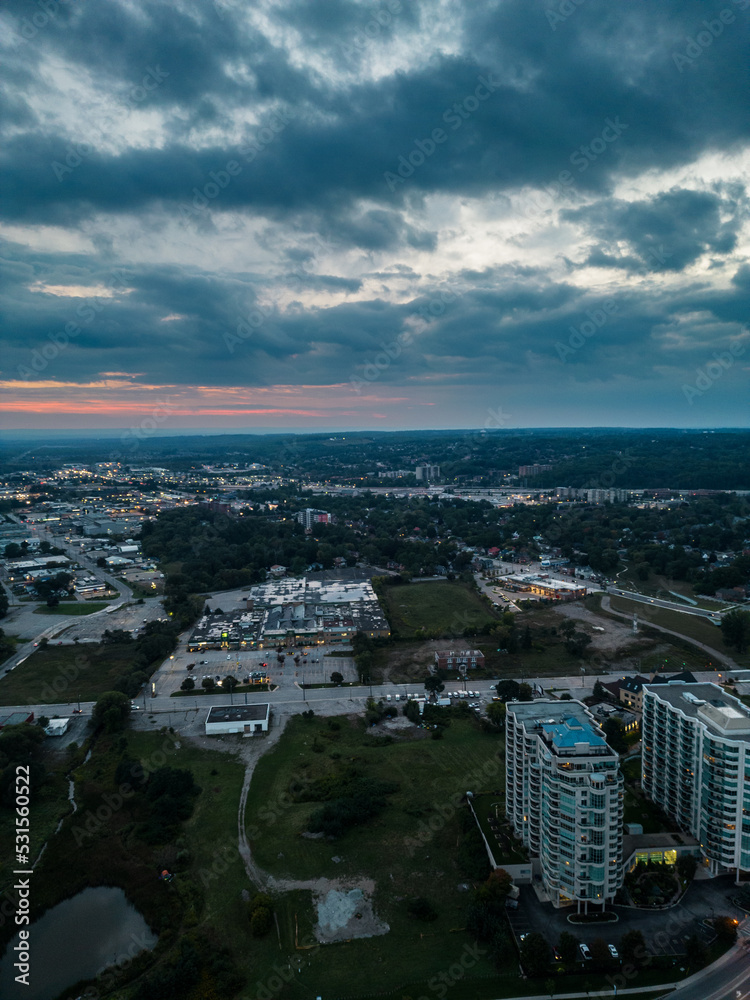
(665, 931)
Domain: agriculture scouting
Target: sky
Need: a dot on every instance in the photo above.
(321, 214)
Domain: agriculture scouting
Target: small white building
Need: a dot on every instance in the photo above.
(56, 727)
(245, 719)
(117, 562)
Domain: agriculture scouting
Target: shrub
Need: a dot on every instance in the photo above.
(260, 921)
(421, 909)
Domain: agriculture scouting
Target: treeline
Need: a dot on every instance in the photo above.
(155, 642)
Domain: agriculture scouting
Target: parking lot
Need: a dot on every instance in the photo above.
(666, 932)
(313, 666)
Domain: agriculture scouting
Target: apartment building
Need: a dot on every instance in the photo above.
(459, 659)
(564, 799)
(696, 766)
(310, 516)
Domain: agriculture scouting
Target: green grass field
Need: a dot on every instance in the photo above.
(440, 607)
(410, 849)
(71, 609)
(62, 674)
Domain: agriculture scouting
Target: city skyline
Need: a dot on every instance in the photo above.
(320, 216)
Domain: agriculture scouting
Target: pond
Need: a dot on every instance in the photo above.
(76, 940)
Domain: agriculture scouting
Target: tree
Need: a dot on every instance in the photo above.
(524, 692)
(696, 951)
(735, 629)
(535, 954)
(496, 714)
(578, 643)
(337, 678)
(260, 921)
(686, 866)
(526, 638)
(433, 684)
(568, 947)
(13, 551)
(567, 628)
(230, 683)
(101, 562)
(208, 684)
(600, 691)
(188, 684)
(726, 928)
(421, 909)
(632, 946)
(52, 601)
(615, 734)
(111, 711)
(600, 952)
(508, 690)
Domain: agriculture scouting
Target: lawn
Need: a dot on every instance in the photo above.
(71, 609)
(440, 607)
(410, 849)
(63, 674)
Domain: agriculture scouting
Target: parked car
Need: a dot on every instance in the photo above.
(585, 951)
(613, 951)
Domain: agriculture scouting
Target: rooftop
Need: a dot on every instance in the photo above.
(238, 713)
(721, 713)
(565, 725)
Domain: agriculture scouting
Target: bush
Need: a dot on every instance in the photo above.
(421, 909)
(260, 921)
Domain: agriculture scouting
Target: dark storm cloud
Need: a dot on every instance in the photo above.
(337, 148)
(546, 99)
(688, 223)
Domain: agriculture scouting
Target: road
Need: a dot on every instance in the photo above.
(65, 623)
(658, 602)
(727, 979)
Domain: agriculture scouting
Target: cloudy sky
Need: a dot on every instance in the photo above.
(315, 214)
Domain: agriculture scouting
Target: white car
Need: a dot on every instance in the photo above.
(585, 951)
(613, 951)
(229, 656)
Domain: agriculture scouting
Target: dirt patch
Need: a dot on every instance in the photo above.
(392, 726)
(615, 636)
(343, 915)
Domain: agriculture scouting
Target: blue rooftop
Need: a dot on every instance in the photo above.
(572, 731)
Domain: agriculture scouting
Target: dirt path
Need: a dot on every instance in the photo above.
(251, 751)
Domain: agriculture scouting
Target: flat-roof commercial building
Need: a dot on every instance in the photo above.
(559, 590)
(57, 727)
(245, 719)
(15, 719)
(292, 612)
(696, 766)
(565, 799)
